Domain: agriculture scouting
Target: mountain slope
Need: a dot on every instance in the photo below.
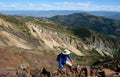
(42, 37)
(96, 23)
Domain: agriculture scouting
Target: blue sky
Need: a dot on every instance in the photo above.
(86, 5)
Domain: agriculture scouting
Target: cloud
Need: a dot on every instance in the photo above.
(7, 7)
(110, 8)
(71, 5)
(86, 6)
(24, 6)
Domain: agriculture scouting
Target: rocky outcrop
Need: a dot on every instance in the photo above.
(53, 39)
(102, 45)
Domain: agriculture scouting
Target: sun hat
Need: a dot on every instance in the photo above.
(66, 52)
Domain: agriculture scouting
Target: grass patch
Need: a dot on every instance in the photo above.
(87, 60)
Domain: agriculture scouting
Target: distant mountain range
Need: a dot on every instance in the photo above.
(50, 13)
(37, 13)
(108, 14)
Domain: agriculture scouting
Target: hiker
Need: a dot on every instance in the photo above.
(62, 59)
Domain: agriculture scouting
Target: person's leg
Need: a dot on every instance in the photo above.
(69, 63)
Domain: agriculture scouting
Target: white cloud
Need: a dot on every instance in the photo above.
(87, 6)
(70, 5)
(110, 8)
(24, 6)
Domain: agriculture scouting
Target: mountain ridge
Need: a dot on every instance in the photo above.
(85, 20)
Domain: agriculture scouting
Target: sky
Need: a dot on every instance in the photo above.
(84, 5)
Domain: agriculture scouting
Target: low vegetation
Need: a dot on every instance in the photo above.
(85, 20)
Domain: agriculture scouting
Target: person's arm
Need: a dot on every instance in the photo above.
(60, 65)
(70, 57)
(60, 62)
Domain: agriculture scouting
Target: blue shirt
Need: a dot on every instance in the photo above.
(62, 60)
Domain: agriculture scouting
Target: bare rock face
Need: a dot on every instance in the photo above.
(102, 45)
(33, 35)
(52, 39)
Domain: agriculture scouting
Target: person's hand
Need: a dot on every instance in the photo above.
(63, 69)
(72, 62)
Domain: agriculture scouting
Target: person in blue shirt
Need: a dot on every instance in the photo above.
(63, 59)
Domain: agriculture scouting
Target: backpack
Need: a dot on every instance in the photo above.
(58, 56)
